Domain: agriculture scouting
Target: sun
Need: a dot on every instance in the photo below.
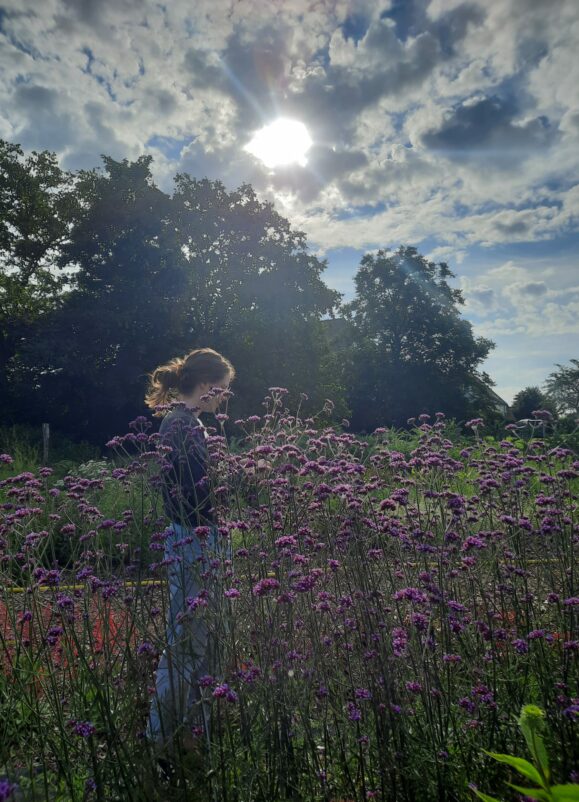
(281, 142)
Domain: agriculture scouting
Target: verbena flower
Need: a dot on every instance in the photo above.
(6, 787)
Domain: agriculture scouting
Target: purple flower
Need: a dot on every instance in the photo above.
(467, 704)
(84, 729)
(53, 635)
(146, 648)
(232, 593)
(68, 529)
(452, 658)
(412, 594)
(362, 693)
(542, 414)
(64, 601)
(420, 621)
(473, 542)
(265, 586)
(387, 504)
(521, 646)
(572, 601)
(286, 540)
(223, 691)
(354, 713)
(193, 602)
(535, 634)
(399, 641)
(6, 787)
(413, 687)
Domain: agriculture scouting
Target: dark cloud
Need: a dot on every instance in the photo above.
(219, 165)
(99, 138)
(164, 101)
(411, 17)
(533, 288)
(324, 166)
(333, 100)
(93, 13)
(483, 296)
(253, 73)
(256, 72)
(517, 227)
(47, 125)
(486, 130)
(389, 177)
(452, 28)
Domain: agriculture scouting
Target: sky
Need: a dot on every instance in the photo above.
(450, 126)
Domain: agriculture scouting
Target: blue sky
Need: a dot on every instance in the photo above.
(451, 126)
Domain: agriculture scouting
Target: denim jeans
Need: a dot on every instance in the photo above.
(178, 703)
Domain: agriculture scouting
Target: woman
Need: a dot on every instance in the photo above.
(199, 381)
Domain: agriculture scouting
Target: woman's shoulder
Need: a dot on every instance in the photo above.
(182, 420)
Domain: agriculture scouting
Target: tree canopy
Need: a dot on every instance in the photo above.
(562, 387)
(529, 400)
(158, 275)
(412, 351)
(104, 276)
(37, 200)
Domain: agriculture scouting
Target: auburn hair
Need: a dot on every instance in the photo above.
(181, 375)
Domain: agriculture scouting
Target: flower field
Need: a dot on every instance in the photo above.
(390, 606)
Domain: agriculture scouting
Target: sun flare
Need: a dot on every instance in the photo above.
(281, 142)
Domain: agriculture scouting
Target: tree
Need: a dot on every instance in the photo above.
(562, 387)
(158, 275)
(258, 293)
(528, 400)
(413, 353)
(83, 365)
(37, 202)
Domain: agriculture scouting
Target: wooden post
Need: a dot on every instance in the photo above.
(45, 442)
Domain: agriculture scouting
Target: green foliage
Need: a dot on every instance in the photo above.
(531, 722)
(562, 387)
(258, 293)
(24, 444)
(425, 751)
(157, 275)
(36, 203)
(528, 401)
(411, 350)
(86, 359)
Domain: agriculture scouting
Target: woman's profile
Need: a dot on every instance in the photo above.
(198, 383)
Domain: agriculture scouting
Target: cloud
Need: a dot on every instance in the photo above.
(450, 125)
(510, 299)
(483, 297)
(536, 289)
(488, 130)
(456, 121)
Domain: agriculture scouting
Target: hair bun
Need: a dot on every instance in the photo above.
(168, 377)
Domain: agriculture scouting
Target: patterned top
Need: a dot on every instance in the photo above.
(186, 490)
